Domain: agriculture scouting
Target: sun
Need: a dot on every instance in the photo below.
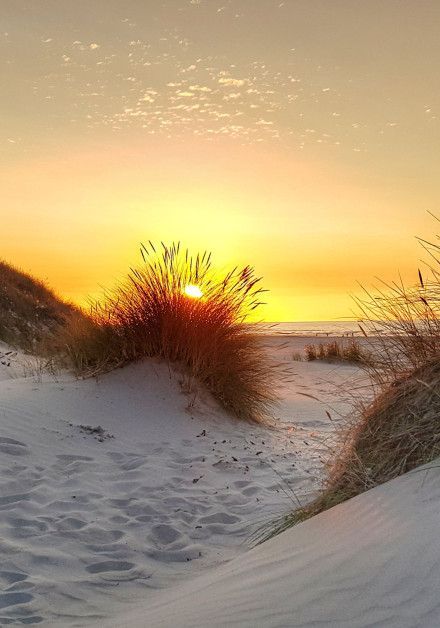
(193, 291)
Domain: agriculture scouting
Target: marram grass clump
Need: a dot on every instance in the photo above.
(350, 352)
(175, 307)
(399, 430)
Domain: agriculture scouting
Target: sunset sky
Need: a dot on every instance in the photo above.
(300, 136)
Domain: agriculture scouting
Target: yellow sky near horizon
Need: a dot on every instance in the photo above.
(285, 135)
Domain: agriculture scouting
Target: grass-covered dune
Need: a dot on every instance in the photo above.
(30, 313)
(399, 430)
(394, 434)
(176, 307)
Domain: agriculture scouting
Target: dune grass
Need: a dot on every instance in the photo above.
(400, 429)
(338, 351)
(396, 433)
(30, 313)
(152, 315)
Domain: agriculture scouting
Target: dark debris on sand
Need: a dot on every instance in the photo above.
(98, 432)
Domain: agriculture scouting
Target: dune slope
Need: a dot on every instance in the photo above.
(372, 561)
(29, 310)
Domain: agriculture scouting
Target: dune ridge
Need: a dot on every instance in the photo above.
(372, 561)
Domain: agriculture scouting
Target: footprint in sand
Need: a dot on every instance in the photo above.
(13, 447)
(14, 599)
(14, 499)
(69, 458)
(219, 517)
(11, 577)
(71, 523)
(109, 565)
(164, 534)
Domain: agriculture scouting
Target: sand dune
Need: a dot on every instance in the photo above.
(112, 489)
(372, 561)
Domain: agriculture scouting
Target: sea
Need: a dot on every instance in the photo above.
(315, 328)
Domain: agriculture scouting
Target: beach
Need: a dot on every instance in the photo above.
(119, 487)
(219, 314)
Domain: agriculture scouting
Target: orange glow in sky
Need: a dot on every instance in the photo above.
(299, 137)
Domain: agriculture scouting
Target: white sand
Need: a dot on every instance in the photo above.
(373, 561)
(92, 524)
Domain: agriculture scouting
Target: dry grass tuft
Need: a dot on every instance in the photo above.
(406, 323)
(339, 351)
(150, 315)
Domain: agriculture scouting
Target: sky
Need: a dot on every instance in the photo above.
(298, 136)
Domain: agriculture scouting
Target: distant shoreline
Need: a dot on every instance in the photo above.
(312, 329)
